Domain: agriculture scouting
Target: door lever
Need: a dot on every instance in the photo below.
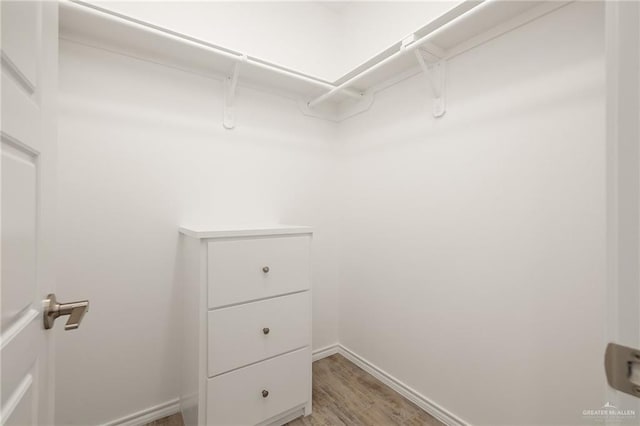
(53, 310)
(621, 365)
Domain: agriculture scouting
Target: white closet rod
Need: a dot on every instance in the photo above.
(403, 50)
(238, 57)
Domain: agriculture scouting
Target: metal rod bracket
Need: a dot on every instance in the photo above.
(435, 74)
(230, 85)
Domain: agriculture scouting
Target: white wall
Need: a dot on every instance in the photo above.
(141, 151)
(474, 245)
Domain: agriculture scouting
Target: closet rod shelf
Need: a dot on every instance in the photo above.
(86, 22)
(465, 26)
(462, 28)
(445, 21)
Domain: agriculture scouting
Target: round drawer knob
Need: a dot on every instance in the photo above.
(266, 330)
(265, 393)
(265, 269)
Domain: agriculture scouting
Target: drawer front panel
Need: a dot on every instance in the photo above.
(238, 335)
(236, 398)
(235, 268)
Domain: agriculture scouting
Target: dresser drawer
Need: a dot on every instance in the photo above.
(249, 269)
(243, 334)
(236, 398)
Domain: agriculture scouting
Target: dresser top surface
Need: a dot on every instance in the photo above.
(243, 231)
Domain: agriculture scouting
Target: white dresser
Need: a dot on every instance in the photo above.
(246, 299)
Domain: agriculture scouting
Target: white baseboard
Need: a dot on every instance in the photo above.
(326, 351)
(411, 394)
(148, 415)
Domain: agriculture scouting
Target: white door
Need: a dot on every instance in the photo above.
(28, 135)
(623, 208)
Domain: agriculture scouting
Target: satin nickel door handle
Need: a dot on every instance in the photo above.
(53, 310)
(621, 365)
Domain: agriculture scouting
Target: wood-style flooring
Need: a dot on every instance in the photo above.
(346, 395)
(174, 420)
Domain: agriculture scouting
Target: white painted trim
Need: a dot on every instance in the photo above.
(325, 352)
(411, 394)
(16, 328)
(15, 72)
(148, 415)
(15, 398)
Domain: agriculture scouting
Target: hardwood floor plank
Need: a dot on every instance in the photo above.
(346, 395)
(174, 420)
